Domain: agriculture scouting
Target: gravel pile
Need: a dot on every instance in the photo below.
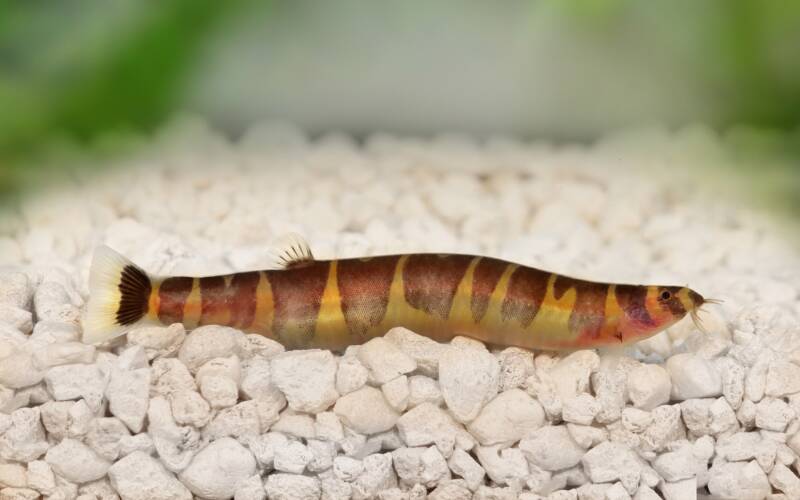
(215, 413)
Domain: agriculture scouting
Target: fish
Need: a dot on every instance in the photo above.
(305, 303)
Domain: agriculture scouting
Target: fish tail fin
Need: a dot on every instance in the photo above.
(119, 293)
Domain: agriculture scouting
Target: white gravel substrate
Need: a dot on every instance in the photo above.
(217, 414)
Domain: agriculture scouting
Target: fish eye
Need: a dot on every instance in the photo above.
(666, 295)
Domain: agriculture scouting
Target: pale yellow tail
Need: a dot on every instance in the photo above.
(118, 296)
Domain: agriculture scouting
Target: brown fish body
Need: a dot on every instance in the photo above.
(335, 303)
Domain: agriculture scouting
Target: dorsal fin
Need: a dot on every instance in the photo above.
(290, 251)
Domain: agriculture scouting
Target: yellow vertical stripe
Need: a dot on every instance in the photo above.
(494, 311)
(154, 302)
(193, 307)
(461, 309)
(397, 299)
(551, 323)
(262, 319)
(330, 329)
(399, 312)
(613, 312)
(656, 312)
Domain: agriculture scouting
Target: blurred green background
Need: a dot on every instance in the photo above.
(85, 72)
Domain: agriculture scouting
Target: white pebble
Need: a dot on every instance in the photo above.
(104, 437)
(19, 494)
(552, 448)
(238, 421)
(333, 488)
(649, 386)
(773, 414)
(13, 475)
(256, 383)
(169, 375)
(253, 345)
(580, 409)
(783, 378)
(139, 476)
(229, 367)
(328, 426)
(755, 382)
(676, 465)
(294, 424)
(571, 374)
(397, 393)
(216, 470)
(322, 453)
(666, 427)
(18, 369)
(424, 351)
(423, 389)
(733, 375)
(366, 411)
(189, 408)
(220, 391)
(738, 481)
(346, 468)
(51, 301)
(507, 418)
(76, 381)
(23, 439)
(469, 378)
(40, 477)
(424, 466)
(138, 442)
(679, 490)
(636, 420)
(609, 388)
(384, 361)
(785, 480)
(51, 332)
(617, 492)
(158, 341)
(516, 365)
(462, 464)
(505, 467)
(208, 342)
(646, 492)
(251, 488)
(587, 436)
(693, 377)
(128, 393)
(591, 491)
(378, 475)
(175, 445)
(292, 457)
(746, 414)
(76, 462)
(450, 490)
(306, 378)
(738, 446)
(428, 424)
(16, 317)
(291, 487)
(610, 461)
(15, 289)
(351, 375)
(64, 353)
(722, 417)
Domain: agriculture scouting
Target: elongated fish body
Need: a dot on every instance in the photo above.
(336, 303)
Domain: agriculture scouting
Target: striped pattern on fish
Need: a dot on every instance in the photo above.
(335, 303)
